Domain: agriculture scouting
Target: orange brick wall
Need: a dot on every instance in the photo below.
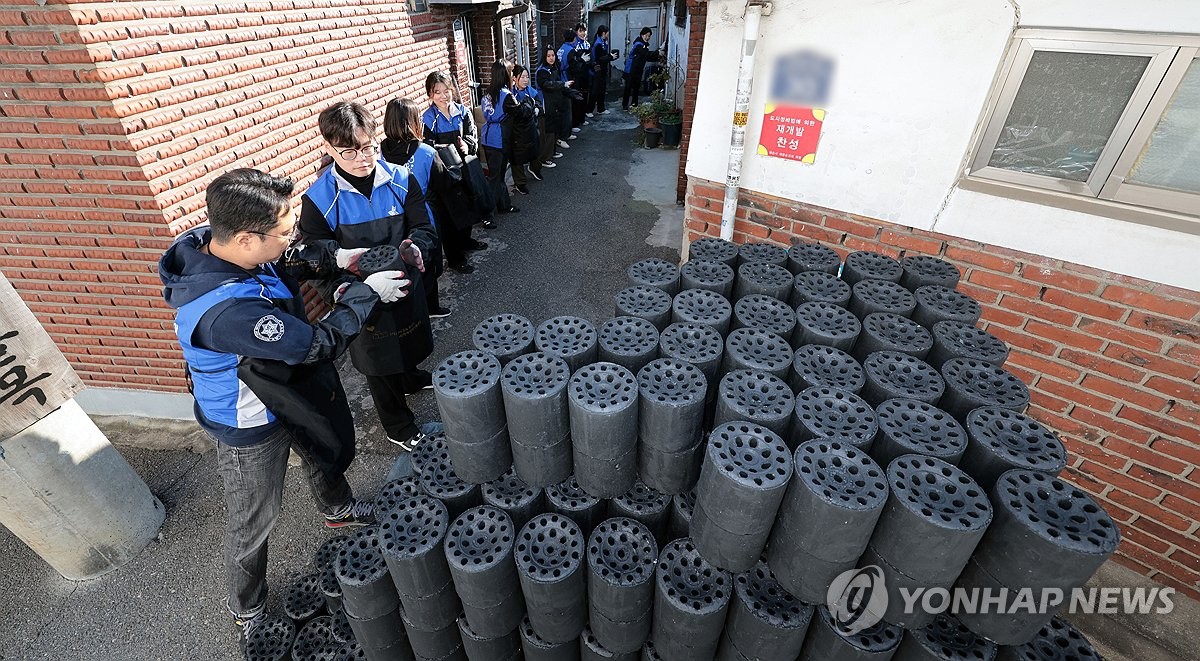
(1112, 363)
(698, 15)
(117, 115)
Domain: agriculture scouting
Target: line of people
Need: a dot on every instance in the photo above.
(263, 375)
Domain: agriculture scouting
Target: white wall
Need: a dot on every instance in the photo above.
(677, 52)
(910, 83)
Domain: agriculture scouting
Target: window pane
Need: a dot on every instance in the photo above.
(1171, 158)
(1065, 111)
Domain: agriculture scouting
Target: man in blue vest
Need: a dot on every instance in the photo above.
(263, 376)
(359, 202)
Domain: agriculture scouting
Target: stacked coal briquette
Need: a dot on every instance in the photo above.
(686, 480)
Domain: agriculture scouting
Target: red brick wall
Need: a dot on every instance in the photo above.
(116, 116)
(1112, 363)
(561, 15)
(698, 15)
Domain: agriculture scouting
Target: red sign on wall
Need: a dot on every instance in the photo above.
(791, 132)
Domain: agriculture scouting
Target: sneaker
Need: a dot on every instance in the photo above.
(561, 143)
(475, 244)
(537, 176)
(523, 189)
(462, 267)
(586, 123)
(601, 112)
(411, 443)
(353, 514)
(511, 209)
(248, 623)
(575, 130)
(588, 115)
(488, 224)
(572, 137)
(558, 154)
(440, 312)
(549, 164)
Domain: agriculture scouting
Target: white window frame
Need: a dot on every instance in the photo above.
(1106, 191)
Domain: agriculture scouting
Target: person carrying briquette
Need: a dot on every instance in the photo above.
(635, 63)
(403, 146)
(526, 131)
(448, 122)
(499, 109)
(552, 85)
(262, 375)
(602, 58)
(361, 202)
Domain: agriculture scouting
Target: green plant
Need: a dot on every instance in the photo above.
(655, 109)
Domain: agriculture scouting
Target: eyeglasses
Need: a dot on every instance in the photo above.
(290, 236)
(351, 153)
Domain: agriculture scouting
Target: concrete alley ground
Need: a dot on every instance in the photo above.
(607, 204)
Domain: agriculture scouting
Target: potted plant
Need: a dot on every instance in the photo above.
(671, 123)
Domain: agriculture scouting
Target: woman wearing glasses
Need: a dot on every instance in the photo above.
(361, 202)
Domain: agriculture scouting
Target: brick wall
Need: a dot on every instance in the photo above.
(561, 15)
(116, 116)
(698, 15)
(1112, 363)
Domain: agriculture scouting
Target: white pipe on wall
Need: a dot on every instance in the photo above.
(741, 114)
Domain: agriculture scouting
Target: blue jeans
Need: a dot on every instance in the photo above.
(253, 481)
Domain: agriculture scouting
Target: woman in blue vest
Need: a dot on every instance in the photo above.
(602, 58)
(448, 122)
(499, 107)
(361, 202)
(635, 62)
(526, 130)
(403, 128)
(554, 86)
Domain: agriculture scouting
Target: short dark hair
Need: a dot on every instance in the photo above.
(402, 120)
(341, 122)
(580, 26)
(568, 35)
(246, 200)
(436, 77)
(603, 29)
(644, 32)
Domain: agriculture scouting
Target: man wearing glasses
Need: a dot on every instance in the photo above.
(360, 202)
(262, 376)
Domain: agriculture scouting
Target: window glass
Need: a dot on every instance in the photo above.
(1171, 158)
(1065, 111)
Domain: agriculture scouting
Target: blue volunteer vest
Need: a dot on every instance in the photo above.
(419, 165)
(220, 394)
(351, 212)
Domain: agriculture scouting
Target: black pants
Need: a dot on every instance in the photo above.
(497, 163)
(599, 88)
(581, 107)
(455, 242)
(391, 406)
(633, 85)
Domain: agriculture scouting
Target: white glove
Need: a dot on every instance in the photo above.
(411, 254)
(390, 285)
(615, 53)
(586, 57)
(347, 256)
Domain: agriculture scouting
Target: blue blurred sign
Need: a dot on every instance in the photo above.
(802, 78)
